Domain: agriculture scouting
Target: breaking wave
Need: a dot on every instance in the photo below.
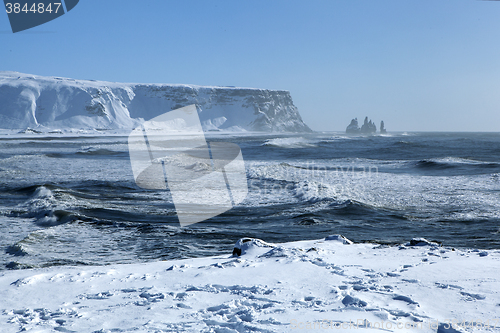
(293, 142)
(455, 163)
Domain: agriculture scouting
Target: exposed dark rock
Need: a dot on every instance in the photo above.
(382, 128)
(368, 127)
(353, 126)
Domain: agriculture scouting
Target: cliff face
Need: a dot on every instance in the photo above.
(35, 101)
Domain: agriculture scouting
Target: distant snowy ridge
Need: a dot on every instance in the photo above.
(29, 101)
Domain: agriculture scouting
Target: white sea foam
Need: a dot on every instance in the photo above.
(297, 181)
(457, 161)
(290, 142)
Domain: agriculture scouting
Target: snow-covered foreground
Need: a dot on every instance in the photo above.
(313, 286)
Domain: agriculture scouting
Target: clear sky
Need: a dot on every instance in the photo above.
(419, 65)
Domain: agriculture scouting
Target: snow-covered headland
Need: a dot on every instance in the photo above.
(309, 286)
(54, 104)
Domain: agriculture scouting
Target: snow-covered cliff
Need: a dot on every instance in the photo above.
(62, 103)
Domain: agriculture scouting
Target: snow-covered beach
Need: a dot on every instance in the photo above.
(313, 286)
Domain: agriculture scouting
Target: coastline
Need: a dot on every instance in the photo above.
(269, 288)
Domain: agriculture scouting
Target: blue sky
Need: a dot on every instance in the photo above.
(419, 65)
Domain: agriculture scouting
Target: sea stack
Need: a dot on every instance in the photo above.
(382, 128)
(353, 126)
(368, 127)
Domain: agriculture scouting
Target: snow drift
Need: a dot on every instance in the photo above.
(29, 101)
(326, 285)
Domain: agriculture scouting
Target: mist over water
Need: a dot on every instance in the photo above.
(73, 200)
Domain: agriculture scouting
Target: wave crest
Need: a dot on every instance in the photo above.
(294, 142)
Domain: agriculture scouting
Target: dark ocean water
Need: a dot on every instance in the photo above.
(73, 200)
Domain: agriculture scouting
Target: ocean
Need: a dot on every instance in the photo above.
(73, 201)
